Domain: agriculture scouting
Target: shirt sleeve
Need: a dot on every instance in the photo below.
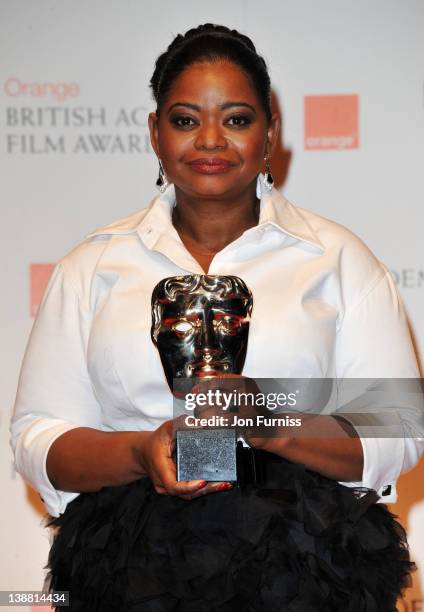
(54, 393)
(374, 342)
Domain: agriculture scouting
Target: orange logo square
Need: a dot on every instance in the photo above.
(39, 274)
(331, 122)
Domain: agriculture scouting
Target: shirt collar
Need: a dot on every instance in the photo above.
(156, 219)
(277, 211)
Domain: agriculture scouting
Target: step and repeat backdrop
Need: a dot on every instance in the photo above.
(348, 79)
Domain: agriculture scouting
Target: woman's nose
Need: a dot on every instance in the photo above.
(210, 137)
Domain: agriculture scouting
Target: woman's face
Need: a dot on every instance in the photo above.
(212, 132)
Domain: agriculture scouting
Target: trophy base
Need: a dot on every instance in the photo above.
(208, 454)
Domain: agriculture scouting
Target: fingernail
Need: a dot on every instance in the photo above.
(225, 486)
(202, 484)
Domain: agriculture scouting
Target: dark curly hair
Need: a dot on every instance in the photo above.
(210, 42)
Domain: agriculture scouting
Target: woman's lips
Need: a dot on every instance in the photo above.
(211, 166)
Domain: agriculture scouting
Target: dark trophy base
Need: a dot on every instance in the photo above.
(208, 454)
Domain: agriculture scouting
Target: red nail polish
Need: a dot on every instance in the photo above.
(202, 484)
(225, 486)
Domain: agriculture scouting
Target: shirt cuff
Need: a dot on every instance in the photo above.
(31, 453)
(383, 461)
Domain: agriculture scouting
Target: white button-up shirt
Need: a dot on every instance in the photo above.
(324, 306)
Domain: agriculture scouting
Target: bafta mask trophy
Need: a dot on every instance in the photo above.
(200, 326)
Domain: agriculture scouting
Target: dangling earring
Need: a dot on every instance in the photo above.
(162, 182)
(268, 180)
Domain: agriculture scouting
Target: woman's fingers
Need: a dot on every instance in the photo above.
(166, 484)
(164, 476)
(213, 487)
(162, 470)
(210, 487)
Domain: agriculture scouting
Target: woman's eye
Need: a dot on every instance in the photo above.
(182, 328)
(239, 120)
(183, 121)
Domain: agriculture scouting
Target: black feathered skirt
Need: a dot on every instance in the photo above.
(298, 543)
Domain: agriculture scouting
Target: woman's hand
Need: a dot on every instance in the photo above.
(323, 443)
(245, 413)
(155, 455)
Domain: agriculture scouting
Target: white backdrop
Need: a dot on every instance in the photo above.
(74, 155)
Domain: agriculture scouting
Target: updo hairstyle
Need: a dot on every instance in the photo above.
(212, 43)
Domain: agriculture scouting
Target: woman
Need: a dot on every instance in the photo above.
(94, 413)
